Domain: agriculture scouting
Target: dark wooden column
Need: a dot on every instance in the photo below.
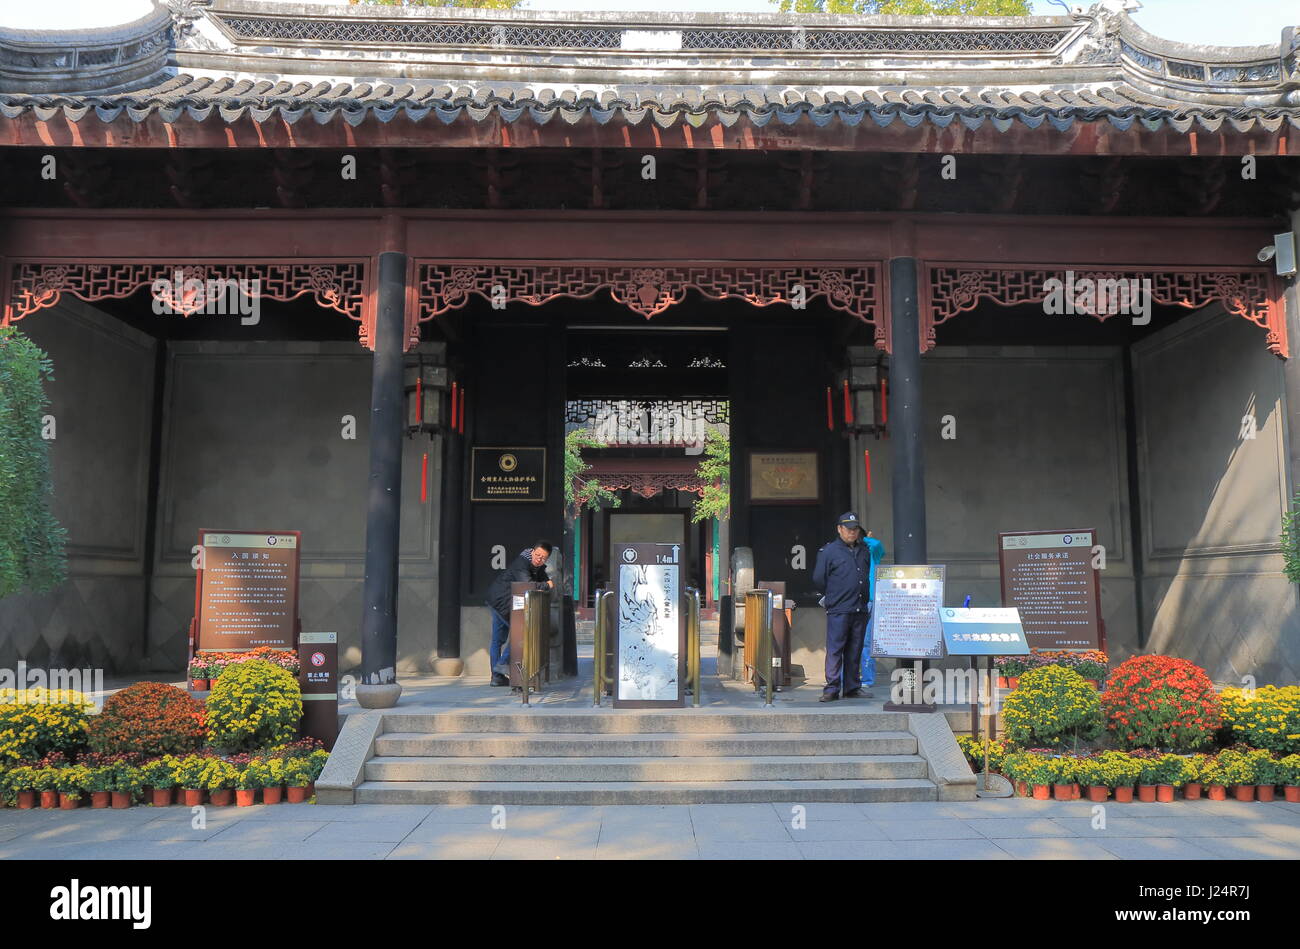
(450, 531)
(379, 688)
(906, 422)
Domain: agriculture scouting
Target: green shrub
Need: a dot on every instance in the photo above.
(253, 705)
(1053, 705)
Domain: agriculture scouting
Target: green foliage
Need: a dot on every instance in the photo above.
(910, 7)
(31, 540)
(580, 492)
(1291, 540)
(715, 472)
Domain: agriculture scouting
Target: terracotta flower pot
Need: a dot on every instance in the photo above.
(1266, 792)
(49, 799)
(1292, 793)
(1164, 793)
(161, 797)
(69, 802)
(121, 800)
(200, 685)
(1098, 793)
(311, 789)
(245, 797)
(26, 800)
(1217, 792)
(1243, 792)
(1124, 795)
(272, 795)
(1013, 682)
(100, 798)
(1063, 792)
(1147, 793)
(193, 796)
(1095, 683)
(298, 795)
(1192, 790)
(1022, 788)
(222, 798)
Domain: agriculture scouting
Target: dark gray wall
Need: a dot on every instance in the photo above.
(101, 398)
(1213, 587)
(252, 440)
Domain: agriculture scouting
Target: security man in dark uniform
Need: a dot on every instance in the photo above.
(843, 574)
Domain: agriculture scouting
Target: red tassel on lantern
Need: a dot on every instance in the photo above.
(866, 461)
(455, 390)
(460, 427)
(419, 400)
(424, 479)
(830, 411)
(848, 404)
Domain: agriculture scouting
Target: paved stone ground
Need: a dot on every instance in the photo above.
(981, 830)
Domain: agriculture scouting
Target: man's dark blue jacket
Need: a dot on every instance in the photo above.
(844, 573)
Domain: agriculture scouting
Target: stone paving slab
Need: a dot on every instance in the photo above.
(991, 829)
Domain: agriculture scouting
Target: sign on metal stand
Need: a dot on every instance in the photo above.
(650, 632)
(1052, 578)
(318, 675)
(907, 602)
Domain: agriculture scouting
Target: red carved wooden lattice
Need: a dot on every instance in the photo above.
(189, 287)
(954, 288)
(649, 483)
(648, 289)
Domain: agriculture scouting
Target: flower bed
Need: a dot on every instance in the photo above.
(207, 667)
(159, 745)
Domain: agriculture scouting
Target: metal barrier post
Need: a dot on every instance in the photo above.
(598, 650)
(536, 609)
(693, 643)
(758, 631)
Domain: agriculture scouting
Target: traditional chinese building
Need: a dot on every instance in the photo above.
(661, 224)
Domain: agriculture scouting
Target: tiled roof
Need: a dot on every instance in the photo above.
(230, 99)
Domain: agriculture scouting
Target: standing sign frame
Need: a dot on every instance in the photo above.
(1004, 576)
(649, 584)
(198, 625)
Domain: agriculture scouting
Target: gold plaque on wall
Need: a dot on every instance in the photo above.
(783, 477)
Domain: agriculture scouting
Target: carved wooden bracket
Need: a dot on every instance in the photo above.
(949, 289)
(191, 286)
(646, 288)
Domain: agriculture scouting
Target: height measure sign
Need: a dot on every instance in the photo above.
(650, 651)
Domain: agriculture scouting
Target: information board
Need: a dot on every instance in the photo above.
(983, 631)
(318, 676)
(247, 590)
(650, 648)
(1049, 577)
(906, 612)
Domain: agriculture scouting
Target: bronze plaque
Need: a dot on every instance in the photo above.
(783, 477)
(247, 592)
(1048, 576)
(508, 474)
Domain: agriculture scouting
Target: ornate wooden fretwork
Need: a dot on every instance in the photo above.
(648, 289)
(955, 288)
(337, 284)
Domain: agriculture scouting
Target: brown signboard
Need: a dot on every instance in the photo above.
(783, 477)
(318, 675)
(508, 474)
(247, 590)
(1049, 577)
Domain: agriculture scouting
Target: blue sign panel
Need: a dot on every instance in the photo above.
(983, 631)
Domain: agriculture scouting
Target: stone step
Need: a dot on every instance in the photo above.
(630, 722)
(644, 792)
(662, 745)
(605, 770)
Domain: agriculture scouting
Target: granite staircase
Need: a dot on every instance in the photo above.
(601, 756)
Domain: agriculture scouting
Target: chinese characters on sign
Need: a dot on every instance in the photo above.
(983, 631)
(508, 474)
(907, 605)
(788, 477)
(1049, 576)
(248, 590)
(650, 655)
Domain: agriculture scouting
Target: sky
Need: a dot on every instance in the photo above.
(1213, 22)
